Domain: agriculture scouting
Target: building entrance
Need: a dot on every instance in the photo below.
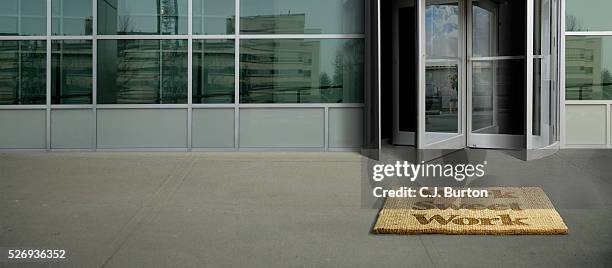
(474, 73)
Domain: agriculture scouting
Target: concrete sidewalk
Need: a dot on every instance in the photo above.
(274, 210)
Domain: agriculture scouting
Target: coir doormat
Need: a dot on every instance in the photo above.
(506, 211)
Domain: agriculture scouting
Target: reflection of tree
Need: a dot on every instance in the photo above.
(169, 16)
(124, 24)
(325, 81)
(606, 79)
(572, 24)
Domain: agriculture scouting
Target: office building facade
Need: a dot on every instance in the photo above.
(323, 75)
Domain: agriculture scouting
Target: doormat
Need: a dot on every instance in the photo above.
(506, 211)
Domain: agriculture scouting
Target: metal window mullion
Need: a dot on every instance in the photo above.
(160, 90)
(189, 75)
(468, 73)
(561, 91)
(301, 36)
(326, 128)
(608, 123)
(237, 76)
(70, 37)
(529, 74)
(142, 37)
(94, 80)
(589, 33)
(61, 61)
(48, 80)
(19, 72)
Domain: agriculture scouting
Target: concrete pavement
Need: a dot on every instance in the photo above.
(274, 210)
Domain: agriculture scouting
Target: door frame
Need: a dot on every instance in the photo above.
(493, 141)
(458, 140)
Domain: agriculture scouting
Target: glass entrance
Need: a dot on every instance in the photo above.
(496, 80)
(442, 124)
(483, 74)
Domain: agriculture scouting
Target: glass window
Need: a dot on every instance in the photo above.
(588, 68)
(142, 71)
(442, 98)
(213, 16)
(71, 17)
(442, 30)
(498, 28)
(301, 17)
(213, 71)
(498, 97)
(591, 15)
(71, 72)
(125, 17)
(302, 71)
(23, 74)
(19, 17)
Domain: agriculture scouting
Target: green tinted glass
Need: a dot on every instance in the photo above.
(588, 68)
(71, 72)
(23, 72)
(19, 17)
(591, 15)
(142, 71)
(213, 71)
(301, 17)
(142, 17)
(71, 17)
(213, 16)
(301, 71)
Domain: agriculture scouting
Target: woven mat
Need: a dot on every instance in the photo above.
(507, 211)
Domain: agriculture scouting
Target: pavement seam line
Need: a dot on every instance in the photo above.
(147, 211)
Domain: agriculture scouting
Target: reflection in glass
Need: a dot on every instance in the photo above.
(442, 98)
(498, 28)
(588, 68)
(71, 17)
(213, 71)
(542, 73)
(302, 71)
(71, 72)
(442, 105)
(498, 97)
(213, 16)
(142, 71)
(142, 17)
(19, 17)
(591, 15)
(302, 17)
(482, 31)
(23, 76)
(442, 30)
(542, 27)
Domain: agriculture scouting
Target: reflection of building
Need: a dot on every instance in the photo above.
(279, 70)
(213, 71)
(291, 24)
(143, 71)
(22, 72)
(584, 68)
(169, 19)
(137, 17)
(71, 71)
